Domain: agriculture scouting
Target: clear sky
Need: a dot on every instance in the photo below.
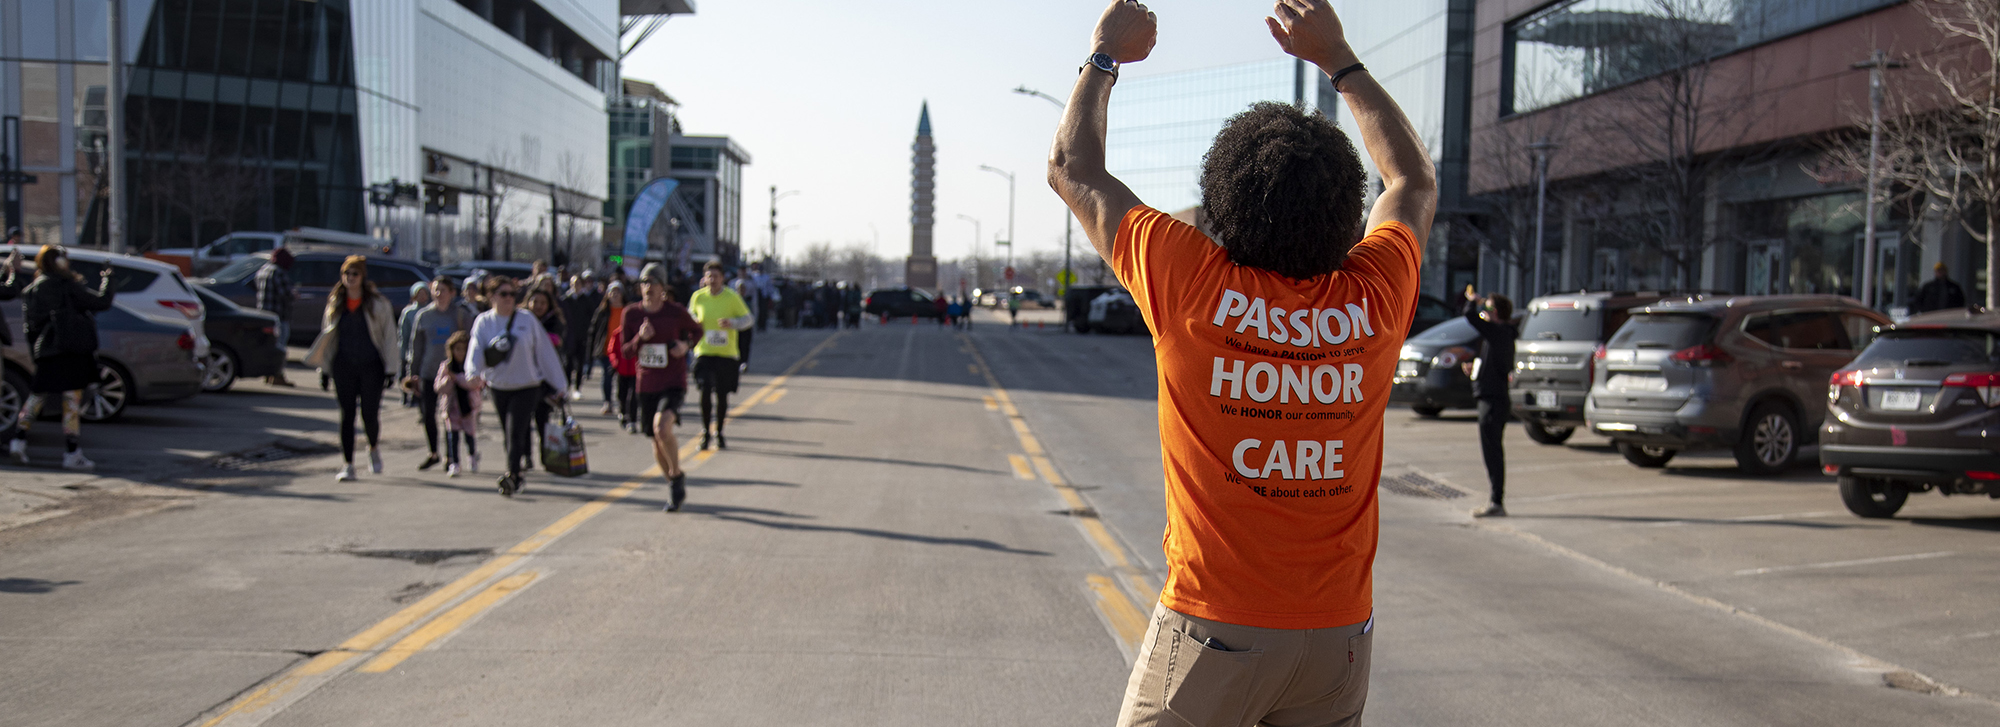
(824, 96)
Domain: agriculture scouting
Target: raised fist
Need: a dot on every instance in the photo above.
(1126, 32)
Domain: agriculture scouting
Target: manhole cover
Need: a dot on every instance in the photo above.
(1411, 484)
(279, 451)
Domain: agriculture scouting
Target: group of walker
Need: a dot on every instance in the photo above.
(453, 357)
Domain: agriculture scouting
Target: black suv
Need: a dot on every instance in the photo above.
(901, 303)
(1918, 410)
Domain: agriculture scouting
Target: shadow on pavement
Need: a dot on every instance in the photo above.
(1988, 524)
(1804, 524)
(32, 585)
(747, 516)
(870, 460)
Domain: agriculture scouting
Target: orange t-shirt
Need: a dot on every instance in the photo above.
(1271, 399)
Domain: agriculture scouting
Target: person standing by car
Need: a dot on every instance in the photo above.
(357, 349)
(56, 315)
(428, 348)
(721, 313)
(275, 294)
(656, 333)
(1493, 317)
(1940, 293)
(515, 357)
(420, 298)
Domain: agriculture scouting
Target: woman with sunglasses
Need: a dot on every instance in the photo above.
(513, 354)
(357, 348)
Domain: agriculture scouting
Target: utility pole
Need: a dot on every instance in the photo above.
(114, 129)
(1069, 219)
(1542, 149)
(1876, 62)
(774, 219)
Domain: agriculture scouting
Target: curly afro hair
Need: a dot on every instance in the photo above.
(1283, 191)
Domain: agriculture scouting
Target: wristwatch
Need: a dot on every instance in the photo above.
(1103, 62)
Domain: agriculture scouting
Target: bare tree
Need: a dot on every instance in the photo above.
(1509, 166)
(206, 186)
(815, 262)
(572, 177)
(497, 191)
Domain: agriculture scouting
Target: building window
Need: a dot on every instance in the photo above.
(695, 157)
(1580, 47)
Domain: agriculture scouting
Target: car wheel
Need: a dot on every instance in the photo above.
(1770, 442)
(1427, 412)
(13, 396)
(218, 371)
(106, 400)
(1546, 434)
(1646, 455)
(1870, 497)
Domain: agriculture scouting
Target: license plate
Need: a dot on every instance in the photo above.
(1406, 369)
(1901, 399)
(1630, 382)
(1545, 400)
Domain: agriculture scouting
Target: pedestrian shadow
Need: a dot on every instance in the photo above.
(769, 440)
(745, 515)
(32, 585)
(1988, 524)
(780, 418)
(729, 482)
(1652, 520)
(872, 460)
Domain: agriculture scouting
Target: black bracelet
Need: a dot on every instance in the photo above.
(1342, 73)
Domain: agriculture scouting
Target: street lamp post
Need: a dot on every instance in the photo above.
(1010, 210)
(775, 196)
(114, 129)
(975, 247)
(1875, 64)
(1541, 149)
(1068, 218)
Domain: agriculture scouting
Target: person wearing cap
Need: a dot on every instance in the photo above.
(420, 298)
(1940, 293)
(275, 294)
(657, 334)
(357, 348)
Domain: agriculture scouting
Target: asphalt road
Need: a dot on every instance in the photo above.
(918, 526)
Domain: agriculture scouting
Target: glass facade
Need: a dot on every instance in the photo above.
(1580, 47)
(1161, 126)
(241, 115)
(710, 170)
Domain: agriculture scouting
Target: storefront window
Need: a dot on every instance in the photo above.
(1580, 47)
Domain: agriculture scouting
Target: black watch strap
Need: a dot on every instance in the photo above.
(1102, 62)
(1342, 73)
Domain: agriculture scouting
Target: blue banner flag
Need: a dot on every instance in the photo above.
(645, 211)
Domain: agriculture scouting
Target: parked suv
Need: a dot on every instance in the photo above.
(1918, 410)
(1433, 372)
(313, 275)
(1742, 372)
(1552, 361)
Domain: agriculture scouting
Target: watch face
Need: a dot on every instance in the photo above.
(1104, 61)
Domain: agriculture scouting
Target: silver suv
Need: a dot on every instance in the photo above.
(1744, 372)
(1552, 361)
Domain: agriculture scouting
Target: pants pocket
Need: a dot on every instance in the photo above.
(1208, 686)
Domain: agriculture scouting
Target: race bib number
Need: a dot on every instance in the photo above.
(717, 337)
(653, 356)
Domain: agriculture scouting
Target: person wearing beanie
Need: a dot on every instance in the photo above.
(275, 294)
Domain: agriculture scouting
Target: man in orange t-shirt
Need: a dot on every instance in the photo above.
(1276, 333)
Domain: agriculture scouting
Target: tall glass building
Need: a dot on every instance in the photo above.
(455, 128)
(1160, 126)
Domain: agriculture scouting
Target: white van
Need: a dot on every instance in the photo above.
(238, 245)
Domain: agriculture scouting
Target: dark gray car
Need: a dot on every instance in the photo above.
(1552, 362)
(1918, 410)
(1746, 373)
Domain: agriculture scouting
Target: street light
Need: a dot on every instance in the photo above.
(1541, 149)
(1875, 64)
(1068, 218)
(1010, 210)
(774, 218)
(975, 247)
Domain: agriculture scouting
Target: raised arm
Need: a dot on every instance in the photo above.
(1309, 30)
(1126, 32)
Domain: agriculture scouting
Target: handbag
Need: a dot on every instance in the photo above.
(498, 350)
(562, 447)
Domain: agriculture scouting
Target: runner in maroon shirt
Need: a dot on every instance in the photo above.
(656, 333)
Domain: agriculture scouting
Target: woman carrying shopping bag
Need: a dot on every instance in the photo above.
(515, 357)
(357, 348)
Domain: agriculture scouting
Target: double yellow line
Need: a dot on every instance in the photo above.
(1126, 621)
(293, 684)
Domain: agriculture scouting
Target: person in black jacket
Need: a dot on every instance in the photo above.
(1493, 317)
(1940, 293)
(62, 337)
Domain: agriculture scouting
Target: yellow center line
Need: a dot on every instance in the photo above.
(1021, 469)
(775, 396)
(321, 667)
(991, 404)
(1127, 622)
(447, 623)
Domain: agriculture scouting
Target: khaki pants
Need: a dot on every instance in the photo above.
(1276, 677)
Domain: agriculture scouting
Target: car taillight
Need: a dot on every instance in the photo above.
(187, 308)
(185, 342)
(1846, 378)
(1596, 355)
(270, 330)
(1707, 354)
(1988, 385)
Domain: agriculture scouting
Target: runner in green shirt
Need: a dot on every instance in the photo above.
(721, 313)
